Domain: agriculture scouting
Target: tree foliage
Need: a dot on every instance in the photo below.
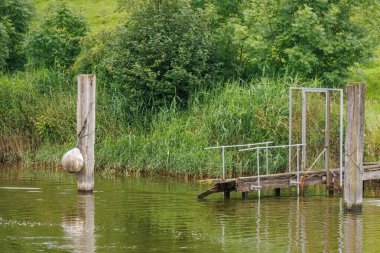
(310, 38)
(55, 40)
(163, 53)
(15, 16)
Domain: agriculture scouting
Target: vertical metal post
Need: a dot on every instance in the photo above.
(303, 165)
(224, 175)
(266, 157)
(341, 141)
(290, 128)
(258, 166)
(298, 170)
(327, 138)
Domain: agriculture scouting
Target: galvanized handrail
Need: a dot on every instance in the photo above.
(272, 147)
(236, 146)
(239, 145)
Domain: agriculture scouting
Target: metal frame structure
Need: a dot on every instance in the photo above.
(274, 147)
(237, 146)
(327, 119)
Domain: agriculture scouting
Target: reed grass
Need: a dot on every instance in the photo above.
(37, 117)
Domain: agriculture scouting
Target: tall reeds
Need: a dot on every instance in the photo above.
(37, 125)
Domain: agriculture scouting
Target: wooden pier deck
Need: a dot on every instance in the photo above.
(285, 180)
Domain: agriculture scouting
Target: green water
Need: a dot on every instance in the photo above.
(44, 213)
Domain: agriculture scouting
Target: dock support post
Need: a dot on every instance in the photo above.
(353, 176)
(226, 194)
(86, 130)
(277, 192)
(244, 195)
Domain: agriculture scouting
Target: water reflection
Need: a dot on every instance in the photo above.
(304, 224)
(79, 225)
(353, 230)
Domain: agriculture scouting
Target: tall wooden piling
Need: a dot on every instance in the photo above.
(353, 175)
(86, 130)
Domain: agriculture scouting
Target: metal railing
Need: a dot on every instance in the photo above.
(258, 186)
(237, 146)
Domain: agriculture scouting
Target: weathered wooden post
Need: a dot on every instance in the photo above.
(353, 174)
(79, 226)
(353, 233)
(86, 130)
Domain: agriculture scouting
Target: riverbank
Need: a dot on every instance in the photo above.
(37, 115)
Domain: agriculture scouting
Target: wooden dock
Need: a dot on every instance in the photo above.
(285, 180)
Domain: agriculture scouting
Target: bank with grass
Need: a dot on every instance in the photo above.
(175, 77)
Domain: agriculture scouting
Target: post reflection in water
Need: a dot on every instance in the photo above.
(79, 225)
(353, 232)
(258, 221)
(332, 230)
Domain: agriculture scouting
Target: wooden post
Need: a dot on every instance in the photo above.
(277, 192)
(353, 233)
(244, 195)
(353, 175)
(79, 226)
(86, 130)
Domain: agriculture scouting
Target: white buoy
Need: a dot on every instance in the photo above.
(72, 161)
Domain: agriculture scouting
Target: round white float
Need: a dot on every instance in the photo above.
(72, 161)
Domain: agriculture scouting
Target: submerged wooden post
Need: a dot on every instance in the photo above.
(353, 232)
(86, 130)
(353, 175)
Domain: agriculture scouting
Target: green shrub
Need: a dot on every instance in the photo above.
(54, 42)
(163, 53)
(307, 38)
(4, 50)
(14, 21)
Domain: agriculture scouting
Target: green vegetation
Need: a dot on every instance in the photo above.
(14, 18)
(55, 40)
(177, 76)
(101, 15)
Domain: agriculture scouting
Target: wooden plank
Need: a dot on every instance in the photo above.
(282, 180)
(353, 178)
(208, 192)
(244, 186)
(370, 175)
(86, 130)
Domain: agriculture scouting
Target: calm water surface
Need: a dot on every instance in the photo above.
(40, 213)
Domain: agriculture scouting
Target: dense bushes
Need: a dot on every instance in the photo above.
(307, 38)
(54, 41)
(14, 20)
(164, 52)
(167, 54)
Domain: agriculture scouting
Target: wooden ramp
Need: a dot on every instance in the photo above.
(285, 180)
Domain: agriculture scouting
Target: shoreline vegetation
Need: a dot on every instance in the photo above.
(192, 74)
(169, 142)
